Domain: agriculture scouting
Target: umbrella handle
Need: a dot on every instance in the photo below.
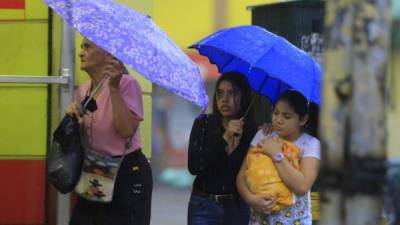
(246, 113)
(254, 99)
(249, 107)
(235, 135)
(83, 109)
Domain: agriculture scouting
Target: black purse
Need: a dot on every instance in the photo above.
(65, 159)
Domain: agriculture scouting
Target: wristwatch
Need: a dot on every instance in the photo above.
(278, 157)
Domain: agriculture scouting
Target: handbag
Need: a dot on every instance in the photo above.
(98, 175)
(65, 158)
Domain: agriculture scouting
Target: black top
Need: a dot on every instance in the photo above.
(216, 170)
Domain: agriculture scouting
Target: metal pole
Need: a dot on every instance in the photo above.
(34, 79)
(353, 117)
(66, 92)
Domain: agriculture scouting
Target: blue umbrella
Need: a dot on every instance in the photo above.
(270, 63)
(138, 42)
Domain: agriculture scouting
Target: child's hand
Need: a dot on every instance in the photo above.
(262, 204)
(271, 146)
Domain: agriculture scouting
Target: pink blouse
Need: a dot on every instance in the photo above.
(98, 130)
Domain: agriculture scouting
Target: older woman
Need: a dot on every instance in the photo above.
(107, 130)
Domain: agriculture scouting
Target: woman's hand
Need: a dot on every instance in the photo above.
(114, 69)
(271, 146)
(262, 204)
(233, 133)
(266, 128)
(234, 128)
(73, 110)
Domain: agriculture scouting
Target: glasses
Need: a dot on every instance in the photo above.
(231, 94)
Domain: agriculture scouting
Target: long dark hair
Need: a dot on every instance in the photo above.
(302, 108)
(239, 82)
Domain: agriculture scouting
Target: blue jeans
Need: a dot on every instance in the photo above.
(205, 212)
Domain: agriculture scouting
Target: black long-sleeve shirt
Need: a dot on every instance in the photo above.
(215, 170)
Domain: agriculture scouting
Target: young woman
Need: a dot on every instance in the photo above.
(218, 144)
(289, 120)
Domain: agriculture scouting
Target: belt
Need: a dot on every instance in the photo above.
(220, 199)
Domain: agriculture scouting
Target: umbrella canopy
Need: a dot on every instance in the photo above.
(270, 63)
(138, 42)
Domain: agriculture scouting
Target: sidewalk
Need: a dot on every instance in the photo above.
(169, 205)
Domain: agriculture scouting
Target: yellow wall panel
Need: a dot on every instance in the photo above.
(23, 107)
(394, 110)
(80, 76)
(238, 12)
(12, 14)
(144, 6)
(145, 125)
(185, 21)
(56, 61)
(33, 10)
(23, 48)
(36, 9)
(188, 21)
(23, 120)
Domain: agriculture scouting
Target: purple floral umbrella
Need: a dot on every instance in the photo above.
(137, 41)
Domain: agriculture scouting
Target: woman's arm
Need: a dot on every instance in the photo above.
(195, 147)
(205, 146)
(124, 120)
(298, 181)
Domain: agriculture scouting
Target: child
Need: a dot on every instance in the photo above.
(289, 120)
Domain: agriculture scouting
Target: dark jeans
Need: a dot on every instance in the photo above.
(392, 194)
(205, 212)
(131, 204)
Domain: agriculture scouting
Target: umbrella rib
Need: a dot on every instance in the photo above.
(225, 64)
(220, 67)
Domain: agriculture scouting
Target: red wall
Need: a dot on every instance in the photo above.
(22, 192)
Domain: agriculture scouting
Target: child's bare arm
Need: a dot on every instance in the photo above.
(298, 181)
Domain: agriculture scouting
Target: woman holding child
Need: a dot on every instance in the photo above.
(290, 123)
